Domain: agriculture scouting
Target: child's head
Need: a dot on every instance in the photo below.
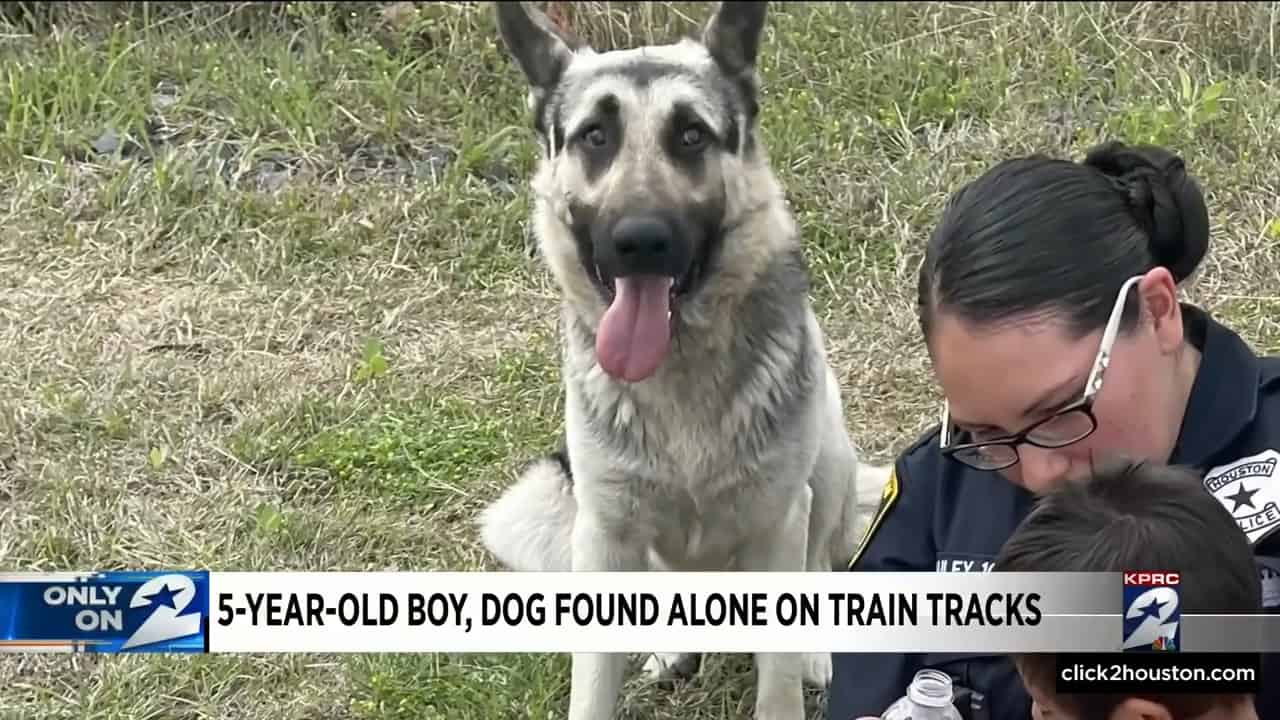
(1137, 517)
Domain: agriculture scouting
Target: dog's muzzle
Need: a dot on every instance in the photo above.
(644, 245)
(643, 262)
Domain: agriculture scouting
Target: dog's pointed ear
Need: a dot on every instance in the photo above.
(733, 35)
(539, 48)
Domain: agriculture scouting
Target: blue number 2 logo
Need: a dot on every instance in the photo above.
(170, 594)
(1154, 606)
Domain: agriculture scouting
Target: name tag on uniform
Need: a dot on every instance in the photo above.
(1250, 489)
(961, 562)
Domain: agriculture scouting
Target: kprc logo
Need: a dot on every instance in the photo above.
(1151, 613)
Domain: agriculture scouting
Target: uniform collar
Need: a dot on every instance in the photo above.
(1224, 396)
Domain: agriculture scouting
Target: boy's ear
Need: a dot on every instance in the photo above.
(1139, 709)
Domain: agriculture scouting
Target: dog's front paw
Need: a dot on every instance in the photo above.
(817, 669)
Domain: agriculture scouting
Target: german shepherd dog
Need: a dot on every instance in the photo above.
(704, 426)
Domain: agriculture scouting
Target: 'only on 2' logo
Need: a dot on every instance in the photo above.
(1152, 617)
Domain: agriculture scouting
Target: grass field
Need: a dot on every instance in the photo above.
(266, 300)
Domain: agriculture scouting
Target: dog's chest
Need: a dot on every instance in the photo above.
(685, 438)
(685, 453)
(701, 524)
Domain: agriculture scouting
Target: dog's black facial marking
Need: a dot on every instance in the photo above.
(582, 221)
(644, 242)
(737, 94)
(599, 137)
(540, 113)
(707, 221)
(558, 140)
(732, 137)
(737, 98)
(642, 72)
(547, 110)
(700, 226)
(687, 139)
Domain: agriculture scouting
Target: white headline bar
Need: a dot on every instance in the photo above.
(664, 612)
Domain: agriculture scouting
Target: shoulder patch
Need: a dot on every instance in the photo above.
(1250, 489)
(888, 497)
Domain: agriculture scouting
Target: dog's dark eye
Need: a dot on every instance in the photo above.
(596, 137)
(693, 137)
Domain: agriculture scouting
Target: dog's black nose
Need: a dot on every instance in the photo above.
(637, 238)
(646, 245)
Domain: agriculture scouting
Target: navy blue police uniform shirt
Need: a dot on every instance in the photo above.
(939, 515)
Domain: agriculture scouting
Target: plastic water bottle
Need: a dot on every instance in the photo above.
(929, 698)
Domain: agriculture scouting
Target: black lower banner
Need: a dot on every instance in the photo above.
(1164, 672)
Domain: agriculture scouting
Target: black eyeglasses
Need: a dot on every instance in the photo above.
(1066, 427)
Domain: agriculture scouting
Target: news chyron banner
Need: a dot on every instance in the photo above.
(735, 612)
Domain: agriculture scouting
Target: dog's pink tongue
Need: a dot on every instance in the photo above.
(636, 330)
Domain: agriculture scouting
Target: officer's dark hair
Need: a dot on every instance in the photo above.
(1137, 516)
(1036, 237)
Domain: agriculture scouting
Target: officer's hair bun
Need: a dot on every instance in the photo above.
(1166, 202)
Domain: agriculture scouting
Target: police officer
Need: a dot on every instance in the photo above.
(1048, 302)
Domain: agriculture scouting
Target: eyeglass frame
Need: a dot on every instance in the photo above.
(1084, 404)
